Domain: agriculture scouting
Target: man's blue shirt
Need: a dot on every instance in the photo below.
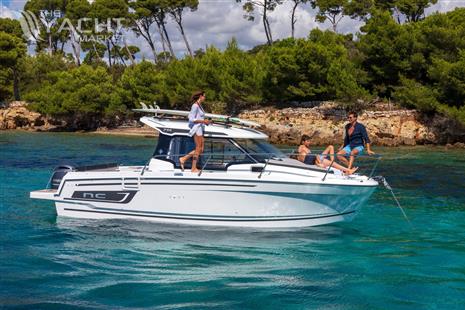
(359, 136)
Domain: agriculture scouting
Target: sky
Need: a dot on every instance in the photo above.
(217, 21)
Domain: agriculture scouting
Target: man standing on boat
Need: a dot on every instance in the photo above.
(355, 141)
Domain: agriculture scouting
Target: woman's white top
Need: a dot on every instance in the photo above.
(196, 114)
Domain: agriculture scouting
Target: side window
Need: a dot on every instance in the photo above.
(179, 147)
(218, 153)
(163, 146)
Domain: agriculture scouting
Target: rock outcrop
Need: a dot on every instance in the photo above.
(325, 124)
(17, 116)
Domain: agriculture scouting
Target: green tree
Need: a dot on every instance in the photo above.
(390, 49)
(318, 68)
(12, 49)
(176, 11)
(330, 10)
(86, 93)
(415, 95)
(160, 19)
(113, 12)
(76, 10)
(263, 7)
(125, 53)
(413, 10)
(35, 71)
(295, 5)
(12, 27)
(95, 53)
(49, 24)
(146, 14)
(448, 78)
(143, 82)
(363, 9)
(408, 10)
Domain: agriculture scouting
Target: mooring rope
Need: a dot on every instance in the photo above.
(382, 180)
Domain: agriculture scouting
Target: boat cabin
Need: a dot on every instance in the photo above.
(225, 145)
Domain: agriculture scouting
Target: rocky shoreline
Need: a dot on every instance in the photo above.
(387, 125)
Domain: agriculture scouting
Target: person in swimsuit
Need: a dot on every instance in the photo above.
(305, 156)
(355, 141)
(197, 124)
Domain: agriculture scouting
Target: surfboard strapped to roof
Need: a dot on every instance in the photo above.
(215, 118)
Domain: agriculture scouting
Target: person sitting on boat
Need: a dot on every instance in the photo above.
(305, 155)
(197, 124)
(355, 141)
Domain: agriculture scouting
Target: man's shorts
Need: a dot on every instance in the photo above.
(348, 150)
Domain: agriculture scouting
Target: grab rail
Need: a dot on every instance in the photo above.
(279, 156)
(329, 168)
(203, 167)
(264, 167)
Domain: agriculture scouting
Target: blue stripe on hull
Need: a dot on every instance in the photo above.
(230, 219)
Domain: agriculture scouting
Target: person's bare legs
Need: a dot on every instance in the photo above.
(329, 150)
(326, 163)
(199, 145)
(352, 158)
(184, 158)
(199, 141)
(341, 157)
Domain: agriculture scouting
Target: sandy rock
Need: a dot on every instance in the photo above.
(17, 116)
(325, 124)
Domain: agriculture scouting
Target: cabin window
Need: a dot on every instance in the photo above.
(218, 153)
(260, 150)
(163, 146)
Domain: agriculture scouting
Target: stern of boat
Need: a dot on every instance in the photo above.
(43, 194)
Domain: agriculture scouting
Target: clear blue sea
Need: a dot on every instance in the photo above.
(377, 261)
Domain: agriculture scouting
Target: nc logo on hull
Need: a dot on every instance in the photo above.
(94, 196)
(104, 196)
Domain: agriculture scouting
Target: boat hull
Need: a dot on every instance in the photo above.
(239, 204)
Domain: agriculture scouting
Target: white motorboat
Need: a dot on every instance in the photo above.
(244, 181)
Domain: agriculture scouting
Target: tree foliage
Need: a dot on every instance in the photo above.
(84, 92)
(12, 50)
(420, 62)
(428, 54)
(264, 7)
(330, 10)
(232, 80)
(318, 68)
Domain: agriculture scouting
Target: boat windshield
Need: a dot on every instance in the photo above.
(218, 153)
(260, 150)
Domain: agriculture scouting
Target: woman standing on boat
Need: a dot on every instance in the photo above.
(197, 124)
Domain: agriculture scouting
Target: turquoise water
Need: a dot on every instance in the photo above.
(375, 262)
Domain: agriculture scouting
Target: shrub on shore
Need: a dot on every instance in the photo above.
(420, 64)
